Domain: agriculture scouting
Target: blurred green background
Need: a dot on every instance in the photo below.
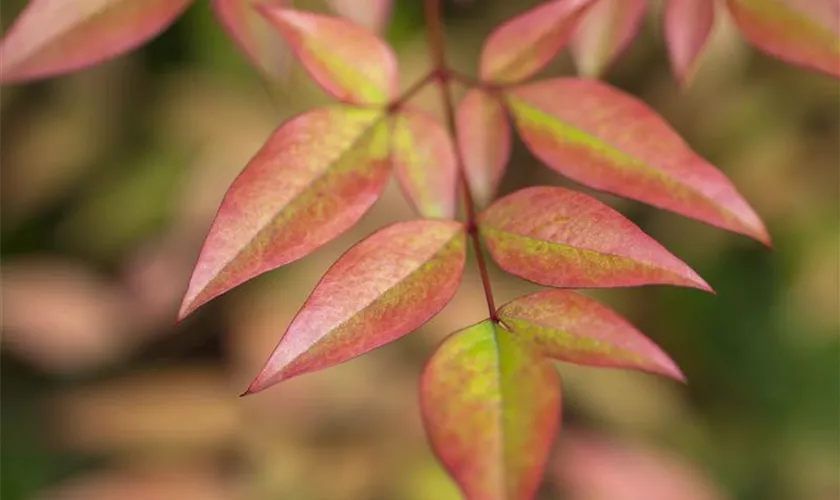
(111, 176)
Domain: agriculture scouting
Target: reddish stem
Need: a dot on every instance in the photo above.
(443, 75)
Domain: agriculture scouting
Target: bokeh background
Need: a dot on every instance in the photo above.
(111, 177)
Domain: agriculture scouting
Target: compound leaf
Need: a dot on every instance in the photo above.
(264, 47)
(381, 289)
(611, 141)
(51, 37)
(801, 32)
(424, 162)
(313, 179)
(688, 24)
(484, 137)
(525, 44)
(491, 409)
(572, 327)
(558, 237)
(372, 14)
(347, 60)
(605, 31)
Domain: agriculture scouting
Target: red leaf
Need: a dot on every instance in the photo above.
(688, 24)
(313, 179)
(605, 31)
(558, 237)
(255, 37)
(611, 141)
(525, 44)
(424, 161)
(348, 61)
(383, 288)
(51, 37)
(572, 327)
(801, 32)
(491, 407)
(485, 141)
(372, 14)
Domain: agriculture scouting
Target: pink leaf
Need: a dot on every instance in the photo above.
(485, 141)
(372, 14)
(383, 288)
(491, 407)
(611, 141)
(688, 24)
(424, 161)
(51, 37)
(255, 37)
(572, 327)
(801, 32)
(348, 61)
(525, 44)
(313, 179)
(558, 237)
(604, 33)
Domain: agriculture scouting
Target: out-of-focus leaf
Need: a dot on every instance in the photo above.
(255, 37)
(424, 162)
(688, 24)
(485, 140)
(52, 37)
(802, 32)
(557, 237)
(348, 61)
(313, 179)
(381, 289)
(491, 407)
(525, 44)
(572, 327)
(611, 141)
(372, 14)
(605, 31)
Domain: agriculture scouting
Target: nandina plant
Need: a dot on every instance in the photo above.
(490, 394)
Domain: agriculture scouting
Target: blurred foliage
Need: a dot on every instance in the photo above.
(111, 176)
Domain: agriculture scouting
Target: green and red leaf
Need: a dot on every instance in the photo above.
(688, 25)
(372, 14)
(525, 44)
(491, 408)
(484, 137)
(381, 289)
(611, 141)
(572, 327)
(801, 32)
(346, 60)
(424, 162)
(604, 33)
(52, 37)
(265, 48)
(558, 237)
(313, 179)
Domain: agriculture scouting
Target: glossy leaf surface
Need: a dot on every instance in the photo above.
(52, 37)
(424, 162)
(605, 31)
(609, 140)
(484, 137)
(802, 32)
(558, 237)
(348, 61)
(264, 47)
(313, 179)
(688, 25)
(524, 45)
(372, 14)
(572, 327)
(491, 409)
(381, 289)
